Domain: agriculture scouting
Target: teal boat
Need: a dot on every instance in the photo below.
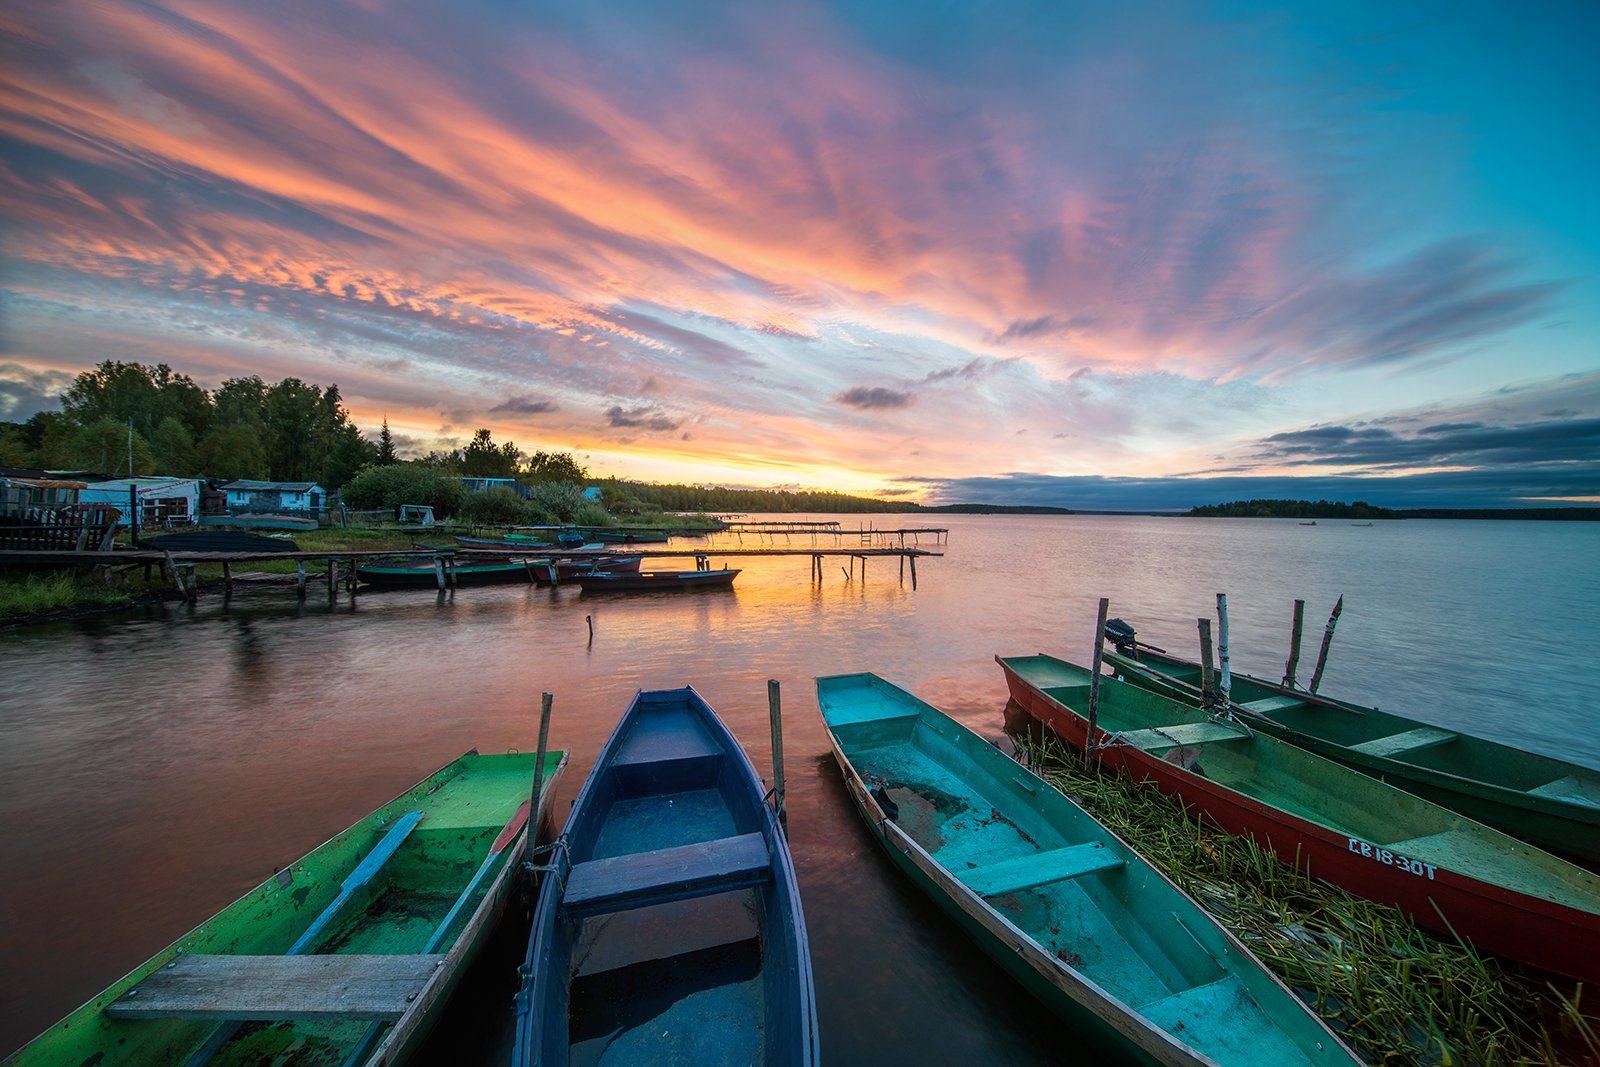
(342, 957)
(1065, 906)
(1540, 799)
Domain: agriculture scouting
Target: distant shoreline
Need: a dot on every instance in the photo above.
(1395, 514)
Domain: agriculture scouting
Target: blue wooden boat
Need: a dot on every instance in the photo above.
(669, 928)
(648, 581)
(1065, 906)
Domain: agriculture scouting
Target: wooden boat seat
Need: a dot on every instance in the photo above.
(666, 755)
(276, 988)
(1041, 868)
(1422, 737)
(637, 880)
(1277, 702)
(1188, 733)
(1573, 789)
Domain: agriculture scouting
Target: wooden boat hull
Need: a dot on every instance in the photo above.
(664, 581)
(425, 577)
(570, 570)
(379, 934)
(669, 927)
(1447, 872)
(1066, 907)
(1540, 799)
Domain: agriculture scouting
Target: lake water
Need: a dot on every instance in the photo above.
(158, 764)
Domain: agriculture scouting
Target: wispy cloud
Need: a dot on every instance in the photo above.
(874, 398)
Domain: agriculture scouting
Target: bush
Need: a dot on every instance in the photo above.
(405, 483)
(590, 513)
(498, 506)
(560, 499)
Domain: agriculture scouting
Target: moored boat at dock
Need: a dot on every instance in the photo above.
(425, 575)
(645, 581)
(1065, 906)
(343, 956)
(1446, 871)
(669, 927)
(1547, 801)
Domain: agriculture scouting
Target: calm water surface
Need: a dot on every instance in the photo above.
(156, 766)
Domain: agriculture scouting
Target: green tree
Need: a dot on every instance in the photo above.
(386, 454)
(405, 483)
(105, 445)
(555, 467)
(147, 395)
(232, 452)
(14, 450)
(173, 448)
(482, 458)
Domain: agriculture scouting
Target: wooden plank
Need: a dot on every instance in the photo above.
(1272, 703)
(1188, 733)
(1404, 744)
(618, 883)
(196, 986)
(1041, 868)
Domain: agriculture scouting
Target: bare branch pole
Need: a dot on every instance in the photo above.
(1090, 760)
(1327, 642)
(1225, 683)
(775, 713)
(1294, 643)
(538, 770)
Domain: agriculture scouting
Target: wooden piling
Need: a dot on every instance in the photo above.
(438, 572)
(333, 580)
(1327, 642)
(1294, 644)
(538, 771)
(1206, 692)
(1225, 682)
(227, 579)
(1090, 759)
(913, 560)
(300, 578)
(775, 715)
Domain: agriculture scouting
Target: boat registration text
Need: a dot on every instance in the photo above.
(1392, 858)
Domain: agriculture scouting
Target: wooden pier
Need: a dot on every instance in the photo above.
(864, 533)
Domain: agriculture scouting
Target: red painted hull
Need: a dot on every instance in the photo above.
(1545, 934)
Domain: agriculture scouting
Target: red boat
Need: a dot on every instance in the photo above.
(1446, 871)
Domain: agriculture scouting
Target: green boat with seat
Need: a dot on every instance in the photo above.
(1540, 799)
(344, 956)
(1064, 905)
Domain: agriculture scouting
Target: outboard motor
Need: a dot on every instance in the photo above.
(1122, 636)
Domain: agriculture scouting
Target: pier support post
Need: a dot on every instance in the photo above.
(1327, 642)
(333, 580)
(227, 579)
(913, 572)
(300, 578)
(438, 572)
(1091, 760)
(1206, 692)
(775, 714)
(538, 772)
(1294, 644)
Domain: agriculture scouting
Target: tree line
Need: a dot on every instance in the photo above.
(1293, 509)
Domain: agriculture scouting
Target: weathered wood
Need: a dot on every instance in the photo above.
(1225, 681)
(279, 988)
(545, 702)
(438, 571)
(618, 883)
(1422, 737)
(1206, 692)
(1180, 734)
(1041, 868)
(1090, 760)
(1294, 643)
(227, 578)
(300, 578)
(775, 714)
(1327, 642)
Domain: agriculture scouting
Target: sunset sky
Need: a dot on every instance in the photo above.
(1131, 255)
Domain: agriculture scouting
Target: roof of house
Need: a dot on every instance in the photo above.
(251, 485)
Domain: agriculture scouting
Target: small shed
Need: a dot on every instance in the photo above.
(248, 496)
(162, 501)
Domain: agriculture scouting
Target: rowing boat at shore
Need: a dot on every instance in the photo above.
(1546, 801)
(345, 955)
(1446, 871)
(1062, 903)
(648, 581)
(669, 928)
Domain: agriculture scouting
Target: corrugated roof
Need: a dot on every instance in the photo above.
(251, 485)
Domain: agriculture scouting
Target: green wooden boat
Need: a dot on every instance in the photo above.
(342, 957)
(1065, 906)
(1545, 801)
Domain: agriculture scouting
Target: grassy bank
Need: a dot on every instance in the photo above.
(1398, 994)
(49, 593)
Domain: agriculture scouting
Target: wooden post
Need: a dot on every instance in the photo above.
(1294, 644)
(1225, 683)
(133, 513)
(1327, 642)
(438, 572)
(590, 620)
(913, 572)
(1205, 660)
(333, 580)
(353, 580)
(902, 568)
(538, 771)
(227, 579)
(300, 578)
(1090, 760)
(775, 713)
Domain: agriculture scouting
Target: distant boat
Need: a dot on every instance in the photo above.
(1062, 903)
(618, 581)
(1361, 524)
(1550, 802)
(1313, 522)
(1446, 871)
(349, 951)
(669, 927)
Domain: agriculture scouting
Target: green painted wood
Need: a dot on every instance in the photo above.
(278, 988)
(1042, 868)
(1405, 744)
(1187, 733)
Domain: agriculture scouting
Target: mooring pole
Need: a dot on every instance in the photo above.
(300, 578)
(1294, 644)
(1327, 642)
(775, 713)
(227, 579)
(1225, 684)
(538, 771)
(1090, 760)
(1205, 660)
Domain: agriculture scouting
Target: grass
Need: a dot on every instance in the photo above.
(48, 592)
(1396, 993)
